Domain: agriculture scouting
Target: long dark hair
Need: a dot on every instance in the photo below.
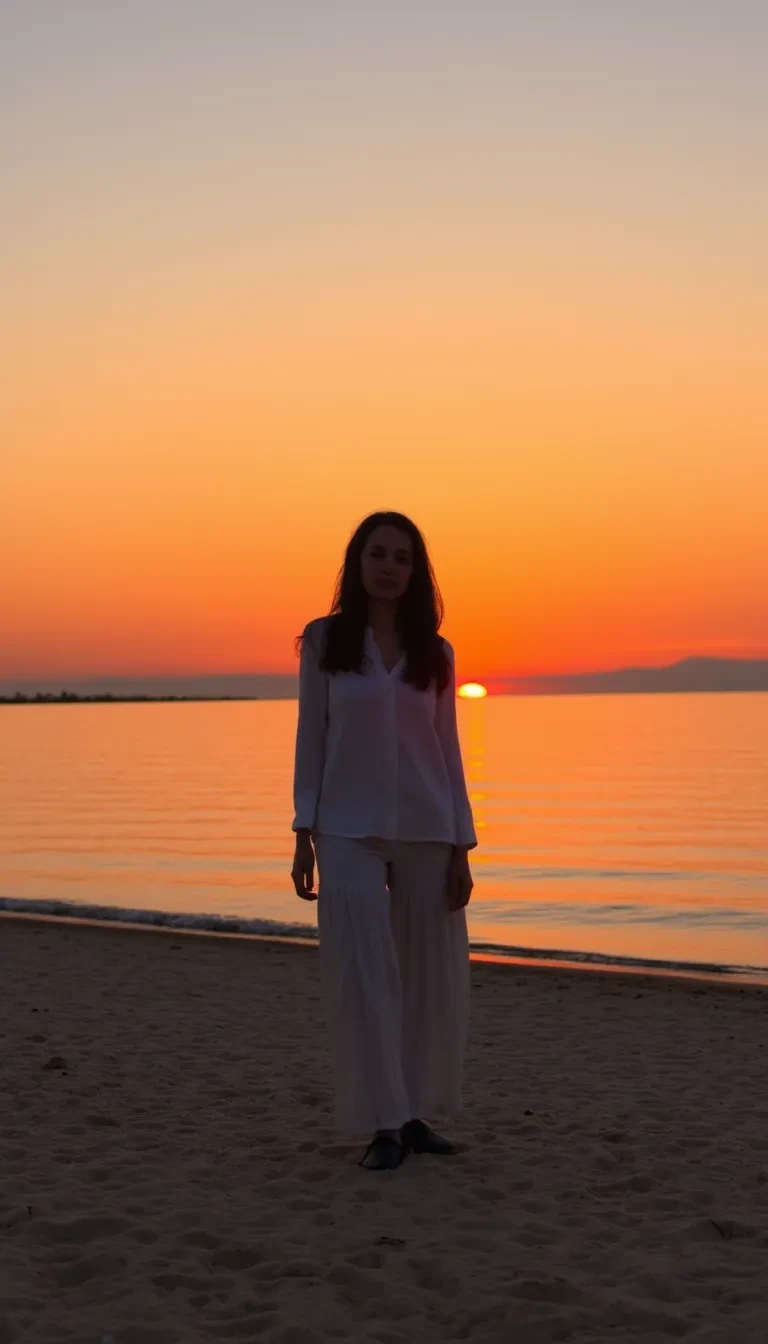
(419, 613)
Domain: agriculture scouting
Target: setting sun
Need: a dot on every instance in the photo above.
(472, 690)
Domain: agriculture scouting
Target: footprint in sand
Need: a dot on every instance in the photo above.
(237, 1257)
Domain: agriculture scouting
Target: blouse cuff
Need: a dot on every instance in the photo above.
(304, 819)
(465, 829)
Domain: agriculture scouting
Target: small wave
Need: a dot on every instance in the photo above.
(508, 872)
(505, 951)
(274, 928)
(618, 912)
(112, 914)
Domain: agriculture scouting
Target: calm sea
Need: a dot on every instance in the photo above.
(611, 828)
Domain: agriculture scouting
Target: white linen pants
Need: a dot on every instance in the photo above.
(395, 967)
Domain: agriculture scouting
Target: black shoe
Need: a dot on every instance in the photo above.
(383, 1154)
(419, 1138)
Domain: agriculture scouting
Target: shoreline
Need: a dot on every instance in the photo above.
(686, 973)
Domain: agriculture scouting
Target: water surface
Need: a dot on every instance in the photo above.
(619, 826)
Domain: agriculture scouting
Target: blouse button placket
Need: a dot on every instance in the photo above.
(392, 751)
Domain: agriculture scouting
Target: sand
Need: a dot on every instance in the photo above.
(170, 1172)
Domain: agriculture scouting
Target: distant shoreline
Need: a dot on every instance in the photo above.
(215, 699)
(71, 699)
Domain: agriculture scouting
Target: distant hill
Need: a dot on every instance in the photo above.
(691, 674)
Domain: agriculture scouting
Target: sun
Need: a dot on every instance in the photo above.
(472, 690)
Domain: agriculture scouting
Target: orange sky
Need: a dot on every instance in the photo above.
(227, 346)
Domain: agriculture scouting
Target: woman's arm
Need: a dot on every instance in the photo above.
(311, 731)
(448, 733)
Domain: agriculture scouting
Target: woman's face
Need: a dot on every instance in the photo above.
(386, 563)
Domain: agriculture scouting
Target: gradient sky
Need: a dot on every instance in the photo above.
(269, 266)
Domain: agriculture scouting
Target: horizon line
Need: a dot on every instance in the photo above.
(203, 675)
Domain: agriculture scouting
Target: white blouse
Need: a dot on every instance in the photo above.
(374, 755)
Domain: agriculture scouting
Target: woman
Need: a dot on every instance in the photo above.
(379, 791)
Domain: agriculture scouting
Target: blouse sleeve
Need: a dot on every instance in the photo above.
(448, 733)
(311, 732)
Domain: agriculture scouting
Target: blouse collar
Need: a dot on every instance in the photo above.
(375, 653)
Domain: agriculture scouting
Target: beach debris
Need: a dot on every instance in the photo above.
(729, 1228)
(391, 1241)
(56, 1062)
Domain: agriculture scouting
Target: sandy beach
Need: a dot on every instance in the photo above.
(170, 1173)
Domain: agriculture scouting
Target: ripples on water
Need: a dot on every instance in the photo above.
(622, 827)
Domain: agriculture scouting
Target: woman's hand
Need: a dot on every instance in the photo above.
(460, 882)
(303, 870)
